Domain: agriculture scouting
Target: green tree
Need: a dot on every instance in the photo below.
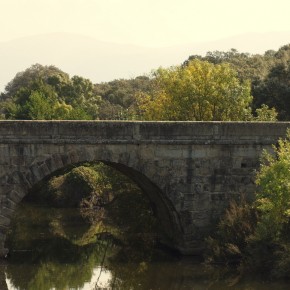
(198, 91)
(273, 195)
(30, 98)
(275, 89)
(73, 98)
(253, 67)
(119, 97)
(265, 113)
(80, 93)
(50, 75)
(38, 107)
(268, 74)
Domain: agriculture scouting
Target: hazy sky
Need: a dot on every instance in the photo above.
(143, 22)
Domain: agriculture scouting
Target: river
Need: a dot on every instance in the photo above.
(57, 249)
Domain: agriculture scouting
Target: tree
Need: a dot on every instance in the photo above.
(269, 75)
(62, 97)
(198, 91)
(80, 93)
(38, 107)
(48, 74)
(275, 89)
(264, 113)
(119, 97)
(25, 103)
(249, 67)
(273, 195)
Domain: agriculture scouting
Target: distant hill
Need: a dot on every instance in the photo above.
(101, 61)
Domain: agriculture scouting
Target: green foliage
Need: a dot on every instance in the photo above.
(265, 77)
(119, 97)
(47, 93)
(199, 91)
(274, 90)
(268, 74)
(80, 94)
(28, 100)
(62, 111)
(67, 190)
(273, 195)
(264, 113)
(230, 241)
(50, 75)
(248, 67)
(38, 107)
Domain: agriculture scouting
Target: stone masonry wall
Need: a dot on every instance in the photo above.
(189, 170)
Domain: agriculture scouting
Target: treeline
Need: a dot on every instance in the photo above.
(218, 86)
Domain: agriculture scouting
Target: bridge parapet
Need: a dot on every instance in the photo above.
(129, 132)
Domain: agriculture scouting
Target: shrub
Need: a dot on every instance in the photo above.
(229, 243)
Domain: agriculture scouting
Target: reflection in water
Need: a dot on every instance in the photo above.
(100, 279)
(57, 249)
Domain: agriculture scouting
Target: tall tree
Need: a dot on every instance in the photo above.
(275, 88)
(48, 74)
(69, 98)
(198, 91)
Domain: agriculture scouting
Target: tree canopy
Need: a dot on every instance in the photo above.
(209, 87)
(119, 97)
(198, 91)
(267, 73)
(46, 92)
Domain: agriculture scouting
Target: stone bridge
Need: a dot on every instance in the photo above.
(188, 170)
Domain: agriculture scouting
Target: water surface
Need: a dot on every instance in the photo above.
(57, 249)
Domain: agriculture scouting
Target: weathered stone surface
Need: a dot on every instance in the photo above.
(189, 170)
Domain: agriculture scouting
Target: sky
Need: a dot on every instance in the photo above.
(153, 23)
(103, 40)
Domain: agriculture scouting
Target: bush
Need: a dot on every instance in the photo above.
(69, 189)
(229, 243)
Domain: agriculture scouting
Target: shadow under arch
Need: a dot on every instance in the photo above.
(19, 183)
(161, 206)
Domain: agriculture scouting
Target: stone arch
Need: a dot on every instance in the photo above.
(16, 185)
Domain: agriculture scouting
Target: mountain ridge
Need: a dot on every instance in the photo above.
(102, 61)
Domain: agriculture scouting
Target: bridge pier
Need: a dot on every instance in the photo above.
(189, 170)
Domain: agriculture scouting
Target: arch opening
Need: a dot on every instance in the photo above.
(162, 208)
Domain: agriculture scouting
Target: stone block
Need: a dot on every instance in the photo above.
(15, 196)
(15, 178)
(4, 221)
(8, 204)
(38, 174)
(57, 161)
(168, 153)
(17, 160)
(44, 168)
(146, 151)
(6, 212)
